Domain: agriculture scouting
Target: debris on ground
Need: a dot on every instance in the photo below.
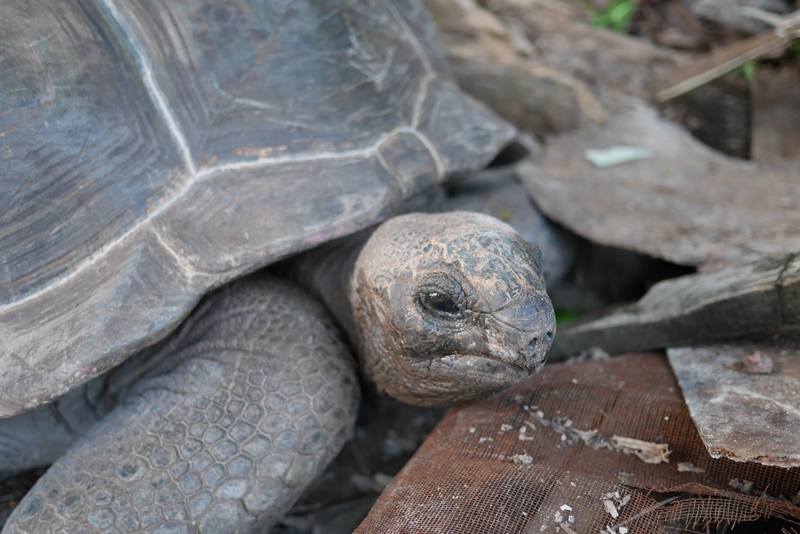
(611, 509)
(688, 467)
(754, 363)
(648, 452)
(523, 459)
(592, 353)
(727, 58)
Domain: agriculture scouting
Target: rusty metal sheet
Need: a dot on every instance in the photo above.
(744, 398)
(541, 457)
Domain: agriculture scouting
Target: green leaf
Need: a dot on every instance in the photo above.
(616, 15)
(565, 316)
(747, 70)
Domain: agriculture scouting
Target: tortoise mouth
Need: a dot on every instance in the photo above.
(489, 368)
(442, 380)
(470, 357)
(454, 378)
(526, 365)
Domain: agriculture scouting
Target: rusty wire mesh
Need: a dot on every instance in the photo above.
(479, 472)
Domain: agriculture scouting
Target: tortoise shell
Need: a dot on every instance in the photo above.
(153, 150)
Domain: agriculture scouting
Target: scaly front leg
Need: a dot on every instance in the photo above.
(221, 429)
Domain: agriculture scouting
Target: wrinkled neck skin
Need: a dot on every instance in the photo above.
(442, 308)
(326, 272)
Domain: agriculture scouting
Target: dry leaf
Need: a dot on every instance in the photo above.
(649, 453)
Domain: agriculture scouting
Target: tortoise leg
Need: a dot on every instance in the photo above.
(219, 429)
(38, 437)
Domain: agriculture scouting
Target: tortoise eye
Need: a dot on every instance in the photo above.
(440, 303)
(440, 296)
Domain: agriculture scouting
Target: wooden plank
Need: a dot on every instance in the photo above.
(756, 298)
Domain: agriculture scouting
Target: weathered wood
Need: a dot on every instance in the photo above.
(721, 62)
(760, 297)
(776, 112)
(607, 62)
(741, 416)
(686, 204)
(487, 60)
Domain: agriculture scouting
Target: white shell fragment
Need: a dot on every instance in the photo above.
(523, 459)
(611, 509)
(616, 155)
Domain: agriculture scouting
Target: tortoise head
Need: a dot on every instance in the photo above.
(450, 307)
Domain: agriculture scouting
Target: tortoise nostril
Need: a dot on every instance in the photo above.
(532, 345)
(549, 336)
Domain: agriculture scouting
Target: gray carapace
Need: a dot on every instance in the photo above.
(151, 151)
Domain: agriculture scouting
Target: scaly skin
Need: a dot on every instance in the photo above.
(505, 322)
(219, 428)
(222, 429)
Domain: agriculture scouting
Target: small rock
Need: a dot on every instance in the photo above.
(758, 364)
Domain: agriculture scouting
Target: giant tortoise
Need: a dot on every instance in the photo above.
(153, 151)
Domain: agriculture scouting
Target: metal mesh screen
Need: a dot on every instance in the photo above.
(479, 471)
